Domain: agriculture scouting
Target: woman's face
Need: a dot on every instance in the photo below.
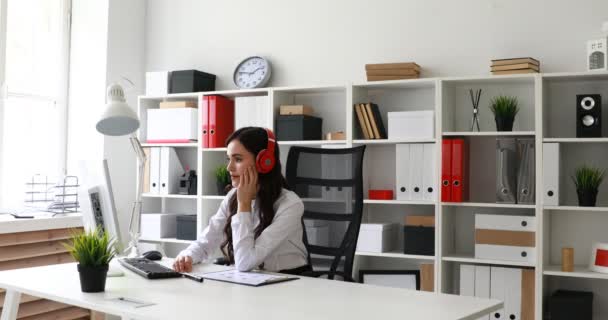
(239, 159)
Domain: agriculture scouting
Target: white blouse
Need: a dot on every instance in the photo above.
(279, 246)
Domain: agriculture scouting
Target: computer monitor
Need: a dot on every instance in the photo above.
(101, 211)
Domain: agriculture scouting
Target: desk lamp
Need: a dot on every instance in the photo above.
(119, 120)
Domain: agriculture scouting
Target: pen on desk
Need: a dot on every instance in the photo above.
(193, 277)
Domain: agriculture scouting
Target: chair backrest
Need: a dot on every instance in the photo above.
(330, 182)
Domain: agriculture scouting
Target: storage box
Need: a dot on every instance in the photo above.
(419, 240)
(157, 83)
(338, 135)
(568, 305)
(376, 237)
(178, 104)
(501, 237)
(172, 125)
(298, 127)
(380, 194)
(411, 125)
(191, 81)
(420, 221)
(318, 235)
(158, 225)
(298, 109)
(186, 227)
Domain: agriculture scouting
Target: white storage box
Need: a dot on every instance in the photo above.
(157, 83)
(318, 235)
(411, 125)
(177, 125)
(502, 237)
(377, 237)
(158, 225)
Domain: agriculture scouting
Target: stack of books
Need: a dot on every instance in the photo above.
(370, 121)
(392, 71)
(515, 66)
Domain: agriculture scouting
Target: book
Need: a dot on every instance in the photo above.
(251, 278)
(177, 104)
(502, 62)
(368, 125)
(379, 122)
(514, 71)
(384, 66)
(516, 66)
(393, 72)
(361, 121)
(368, 108)
(380, 78)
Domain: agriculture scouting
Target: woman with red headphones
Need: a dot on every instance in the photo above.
(258, 224)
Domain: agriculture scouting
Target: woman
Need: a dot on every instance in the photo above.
(258, 224)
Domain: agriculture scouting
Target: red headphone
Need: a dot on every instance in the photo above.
(264, 161)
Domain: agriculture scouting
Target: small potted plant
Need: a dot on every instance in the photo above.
(504, 108)
(93, 250)
(222, 180)
(587, 181)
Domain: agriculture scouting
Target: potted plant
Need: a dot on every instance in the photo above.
(587, 181)
(504, 108)
(93, 250)
(222, 180)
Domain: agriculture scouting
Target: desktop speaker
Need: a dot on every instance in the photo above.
(588, 115)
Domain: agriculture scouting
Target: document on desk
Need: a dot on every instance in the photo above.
(252, 278)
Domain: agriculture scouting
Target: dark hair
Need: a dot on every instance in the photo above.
(255, 139)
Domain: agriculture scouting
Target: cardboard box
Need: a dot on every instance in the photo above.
(157, 83)
(176, 125)
(339, 135)
(178, 104)
(376, 237)
(298, 109)
(420, 221)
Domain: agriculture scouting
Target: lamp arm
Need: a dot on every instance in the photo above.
(135, 221)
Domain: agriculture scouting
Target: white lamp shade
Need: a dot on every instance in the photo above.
(118, 119)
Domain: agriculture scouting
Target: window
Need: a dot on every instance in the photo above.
(33, 106)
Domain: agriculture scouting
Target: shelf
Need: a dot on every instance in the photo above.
(214, 149)
(489, 133)
(576, 208)
(310, 89)
(576, 140)
(489, 205)
(310, 142)
(470, 259)
(213, 197)
(175, 145)
(579, 272)
(187, 95)
(409, 202)
(399, 84)
(321, 200)
(394, 255)
(393, 141)
(169, 196)
(166, 240)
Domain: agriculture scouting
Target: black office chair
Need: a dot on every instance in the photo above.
(330, 183)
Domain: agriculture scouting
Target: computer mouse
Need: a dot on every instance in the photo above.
(152, 255)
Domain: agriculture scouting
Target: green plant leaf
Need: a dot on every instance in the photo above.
(93, 248)
(588, 178)
(222, 175)
(504, 106)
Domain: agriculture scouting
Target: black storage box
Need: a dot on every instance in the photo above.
(568, 305)
(191, 81)
(186, 227)
(419, 240)
(298, 127)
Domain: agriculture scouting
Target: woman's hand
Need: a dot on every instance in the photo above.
(183, 264)
(247, 189)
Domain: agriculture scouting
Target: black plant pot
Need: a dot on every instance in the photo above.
(93, 279)
(222, 188)
(587, 198)
(504, 123)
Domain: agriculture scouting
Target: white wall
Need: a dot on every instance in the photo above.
(320, 41)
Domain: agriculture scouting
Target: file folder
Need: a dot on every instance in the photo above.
(221, 120)
(446, 170)
(526, 184)
(459, 171)
(551, 169)
(497, 290)
(482, 285)
(467, 280)
(429, 190)
(154, 187)
(205, 122)
(416, 170)
(170, 171)
(506, 170)
(512, 288)
(402, 155)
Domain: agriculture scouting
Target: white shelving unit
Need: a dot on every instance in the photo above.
(547, 104)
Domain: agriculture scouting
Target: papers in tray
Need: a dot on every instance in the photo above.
(252, 278)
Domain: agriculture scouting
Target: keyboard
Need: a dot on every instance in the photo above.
(148, 269)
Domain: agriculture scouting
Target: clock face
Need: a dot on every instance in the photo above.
(253, 72)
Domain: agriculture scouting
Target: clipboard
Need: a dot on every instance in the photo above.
(251, 278)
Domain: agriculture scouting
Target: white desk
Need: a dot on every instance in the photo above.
(305, 299)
